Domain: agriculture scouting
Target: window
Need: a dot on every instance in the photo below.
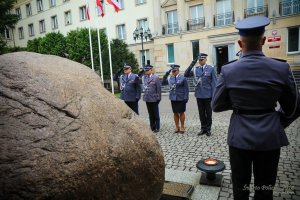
(172, 22)
(68, 17)
(137, 2)
(196, 12)
(21, 33)
(121, 2)
(7, 34)
(224, 15)
(54, 22)
(195, 49)
(170, 49)
(255, 6)
(52, 3)
(18, 12)
(293, 39)
(28, 9)
(121, 34)
(30, 30)
(42, 26)
(290, 7)
(39, 4)
(147, 56)
(82, 13)
(143, 23)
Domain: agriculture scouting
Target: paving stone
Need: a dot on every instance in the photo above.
(183, 151)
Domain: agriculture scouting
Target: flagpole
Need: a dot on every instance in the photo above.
(90, 37)
(109, 53)
(99, 46)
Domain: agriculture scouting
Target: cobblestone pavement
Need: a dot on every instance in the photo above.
(183, 151)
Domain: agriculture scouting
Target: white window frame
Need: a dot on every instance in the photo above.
(39, 5)
(147, 56)
(143, 23)
(21, 32)
(54, 22)
(19, 12)
(198, 9)
(52, 3)
(193, 41)
(7, 34)
(226, 19)
(28, 9)
(30, 30)
(68, 18)
(173, 27)
(121, 32)
(82, 13)
(293, 52)
(42, 26)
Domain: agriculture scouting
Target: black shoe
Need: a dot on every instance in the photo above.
(208, 133)
(202, 132)
(156, 131)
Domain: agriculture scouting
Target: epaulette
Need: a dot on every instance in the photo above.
(281, 60)
(230, 62)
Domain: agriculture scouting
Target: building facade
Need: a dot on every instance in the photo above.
(180, 28)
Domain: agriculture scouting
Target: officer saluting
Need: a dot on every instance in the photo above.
(152, 96)
(129, 86)
(179, 95)
(204, 81)
(251, 87)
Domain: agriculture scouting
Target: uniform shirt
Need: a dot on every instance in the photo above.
(255, 82)
(130, 87)
(151, 88)
(204, 80)
(179, 89)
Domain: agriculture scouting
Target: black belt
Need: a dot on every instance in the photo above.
(252, 112)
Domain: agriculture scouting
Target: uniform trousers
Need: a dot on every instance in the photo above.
(133, 105)
(153, 112)
(205, 113)
(264, 163)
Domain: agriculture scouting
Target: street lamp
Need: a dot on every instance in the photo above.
(142, 35)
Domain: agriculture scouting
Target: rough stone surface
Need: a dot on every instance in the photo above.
(63, 136)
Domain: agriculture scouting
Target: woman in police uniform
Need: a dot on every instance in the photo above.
(179, 95)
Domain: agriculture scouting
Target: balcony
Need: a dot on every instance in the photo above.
(195, 24)
(256, 11)
(224, 19)
(289, 7)
(170, 28)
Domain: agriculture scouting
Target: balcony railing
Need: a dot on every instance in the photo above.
(195, 24)
(256, 11)
(289, 7)
(170, 28)
(224, 19)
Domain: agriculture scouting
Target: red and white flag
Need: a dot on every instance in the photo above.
(100, 7)
(88, 9)
(115, 3)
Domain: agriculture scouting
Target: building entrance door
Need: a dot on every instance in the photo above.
(221, 56)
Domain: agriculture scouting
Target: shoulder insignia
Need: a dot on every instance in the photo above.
(230, 62)
(281, 60)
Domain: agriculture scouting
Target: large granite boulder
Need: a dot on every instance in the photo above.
(63, 136)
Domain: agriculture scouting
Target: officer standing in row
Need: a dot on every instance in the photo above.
(251, 87)
(179, 95)
(205, 81)
(129, 86)
(152, 96)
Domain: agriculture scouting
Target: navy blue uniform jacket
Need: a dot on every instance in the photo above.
(255, 82)
(179, 89)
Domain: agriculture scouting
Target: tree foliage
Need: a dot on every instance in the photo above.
(7, 20)
(54, 44)
(34, 45)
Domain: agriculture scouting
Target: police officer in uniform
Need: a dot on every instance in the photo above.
(204, 80)
(152, 96)
(129, 86)
(179, 95)
(251, 87)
